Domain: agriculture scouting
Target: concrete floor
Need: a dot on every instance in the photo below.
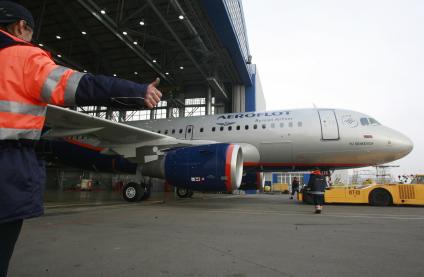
(222, 235)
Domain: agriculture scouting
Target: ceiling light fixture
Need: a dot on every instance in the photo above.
(142, 23)
(59, 55)
(40, 44)
(103, 12)
(84, 33)
(181, 17)
(135, 42)
(181, 67)
(124, 33)
(58, 37)
(135, 73)
(114, 75)
(154, 61)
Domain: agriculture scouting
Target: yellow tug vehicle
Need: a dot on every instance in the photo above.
(374, 194)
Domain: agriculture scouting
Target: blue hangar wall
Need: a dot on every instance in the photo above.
(227, 18)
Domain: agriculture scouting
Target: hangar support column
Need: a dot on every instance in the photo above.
(209, 101)
(239, 99)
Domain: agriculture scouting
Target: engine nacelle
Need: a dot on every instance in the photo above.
(212, 167)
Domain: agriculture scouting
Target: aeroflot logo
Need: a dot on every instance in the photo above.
(251, 115)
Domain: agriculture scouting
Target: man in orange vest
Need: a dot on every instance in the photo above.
(317, 185)
(29, 80)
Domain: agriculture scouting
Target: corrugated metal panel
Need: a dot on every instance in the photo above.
(227, 19)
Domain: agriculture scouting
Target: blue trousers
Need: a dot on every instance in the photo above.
(9, 233)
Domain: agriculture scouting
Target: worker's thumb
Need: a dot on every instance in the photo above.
(156, 82)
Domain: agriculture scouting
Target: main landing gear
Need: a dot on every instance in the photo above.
(134, 192)
(184, 193)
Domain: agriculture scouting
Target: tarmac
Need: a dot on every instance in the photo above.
(221, 235)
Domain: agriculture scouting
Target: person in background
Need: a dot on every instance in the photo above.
(29, 81)
(317, 185)
(294, 187)
(329, 182)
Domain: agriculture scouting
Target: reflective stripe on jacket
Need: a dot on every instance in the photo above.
(29, 80)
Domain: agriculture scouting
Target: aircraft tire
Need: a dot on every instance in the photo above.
(132, 192)
(183, 192)
(380, 197)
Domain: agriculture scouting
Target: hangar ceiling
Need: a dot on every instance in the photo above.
(136, 40)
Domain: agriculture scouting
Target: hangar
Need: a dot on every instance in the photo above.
(199, 49)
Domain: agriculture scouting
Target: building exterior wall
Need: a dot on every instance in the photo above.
(235, 12)
(259, 94)
(255, 99)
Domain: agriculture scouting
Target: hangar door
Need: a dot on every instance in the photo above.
(329, 126)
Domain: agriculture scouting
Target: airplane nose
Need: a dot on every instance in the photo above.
(402, 144)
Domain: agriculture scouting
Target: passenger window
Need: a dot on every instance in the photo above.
(201, 130)
(166, 132)
(246, 127)
(238, 127)
(263, 126)
(189, 130)
(181, 131)
(255, 126)
(159, 132)
(173, 131)
(230, 128)
(364, 121)
(281, 124)
(272, 125)
(221, 128)
(213, 129)
(291, 124)
(299, 124)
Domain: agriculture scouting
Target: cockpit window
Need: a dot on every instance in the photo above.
(369, 121)
(373, 121)
(364, 121)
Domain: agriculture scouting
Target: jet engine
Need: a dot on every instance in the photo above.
(211, 167)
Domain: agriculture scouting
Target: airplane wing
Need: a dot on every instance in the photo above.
(115, 137)
(64, 122)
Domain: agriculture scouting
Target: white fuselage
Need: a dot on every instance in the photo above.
(303, 138)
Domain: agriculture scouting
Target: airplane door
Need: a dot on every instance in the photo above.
(189, 132)
(329, 125)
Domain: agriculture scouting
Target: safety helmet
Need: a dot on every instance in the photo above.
(11, 12)
(316, 172)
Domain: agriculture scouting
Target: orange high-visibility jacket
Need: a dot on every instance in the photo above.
(29, 80)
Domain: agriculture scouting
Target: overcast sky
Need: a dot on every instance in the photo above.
(366, 56)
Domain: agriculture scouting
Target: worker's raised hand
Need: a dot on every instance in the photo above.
(153, 95)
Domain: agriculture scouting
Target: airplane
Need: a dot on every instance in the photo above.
(210, 153)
